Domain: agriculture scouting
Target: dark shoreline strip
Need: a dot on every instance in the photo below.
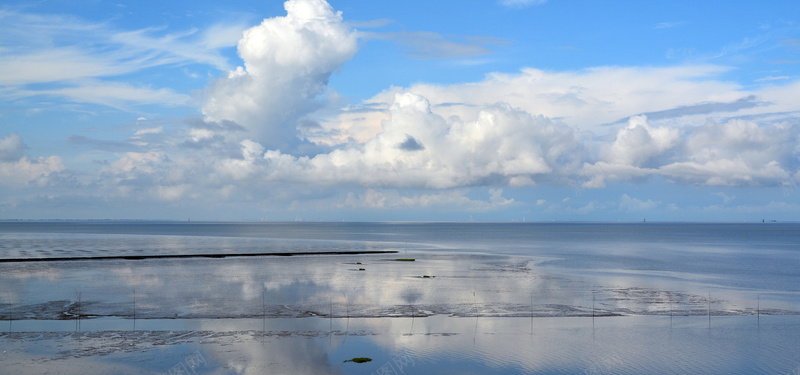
(184, 256)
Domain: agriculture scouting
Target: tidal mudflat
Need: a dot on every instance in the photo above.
(477, 298)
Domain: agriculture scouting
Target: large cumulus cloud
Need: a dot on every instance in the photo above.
(287, 64)
(681, 123)
(419, 149)
(736, 152)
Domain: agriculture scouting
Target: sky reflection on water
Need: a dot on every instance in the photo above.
(444, 345)
(523, 306)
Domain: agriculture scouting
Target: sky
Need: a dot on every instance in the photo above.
(493, 110)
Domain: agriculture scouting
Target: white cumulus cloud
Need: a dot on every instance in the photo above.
(287, 63)
(639, 142)
(17, 170)
(501, 146)
(11, 147)
(733, 153)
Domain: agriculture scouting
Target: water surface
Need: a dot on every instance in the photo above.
(479, 297)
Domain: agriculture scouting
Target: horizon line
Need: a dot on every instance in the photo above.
(176, 221)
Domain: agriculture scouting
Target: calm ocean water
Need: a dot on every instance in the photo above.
(754, 256)
(480, 297)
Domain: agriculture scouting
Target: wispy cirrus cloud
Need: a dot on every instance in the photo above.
(102, 145)
(669, 25)
(773, 78)
(706, 108)
(66, 39)
(521, 3)
(427, 45)
(113, 94)
(57, 55)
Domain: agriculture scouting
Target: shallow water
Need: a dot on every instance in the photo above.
(498, 298)
(444, 345)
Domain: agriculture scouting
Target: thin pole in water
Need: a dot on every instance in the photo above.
(10, 318)
(346, 306)
(475, 334)
(347, 311)
(669, 298)
(475, 301)
(134, 309)
(758, 311)
(531, 313)
(592, 309)
(263, 311)
(78, 313)
(412, 320)
(330, 317)
(709, 309)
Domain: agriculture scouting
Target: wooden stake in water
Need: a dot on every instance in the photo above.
(9, 317)
(263, 311)
(531, 313)
(412, 320)
(475, 334)
(134, 309)
(347, 311)
(475, 301)
(330, 317)
(709, 309)
(669, 298)
(346, 306)
(758, 310)
(592, 309)
(78, 313)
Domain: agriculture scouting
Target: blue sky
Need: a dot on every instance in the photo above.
(416, 110)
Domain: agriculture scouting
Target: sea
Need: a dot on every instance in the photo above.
(414, 297)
